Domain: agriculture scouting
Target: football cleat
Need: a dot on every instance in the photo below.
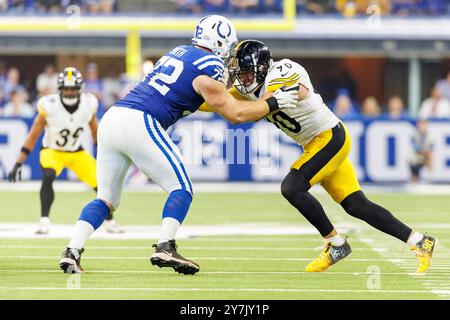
(166, 255)
(44, 226)
(424, 251)
(113, 227)
(70, 261)
(329, 256)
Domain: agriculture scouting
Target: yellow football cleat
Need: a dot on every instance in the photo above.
(424, 252)
(329, 256)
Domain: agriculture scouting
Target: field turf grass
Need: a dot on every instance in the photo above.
(232, 267)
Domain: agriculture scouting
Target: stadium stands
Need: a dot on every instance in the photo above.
(344, 8)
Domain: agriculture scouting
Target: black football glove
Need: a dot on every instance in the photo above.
(16, 173)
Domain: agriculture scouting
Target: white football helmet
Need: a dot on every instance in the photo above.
(216, 33)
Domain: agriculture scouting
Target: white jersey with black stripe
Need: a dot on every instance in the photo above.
(310, 117)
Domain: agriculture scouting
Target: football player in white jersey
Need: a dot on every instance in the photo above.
(63, 116)
(326, 145)
(134, 131)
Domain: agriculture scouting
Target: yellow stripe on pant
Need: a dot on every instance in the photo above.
(325, 161)
(80, 162)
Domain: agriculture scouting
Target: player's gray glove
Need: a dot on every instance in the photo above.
(287, 97)
(283, 98)
(16, 173)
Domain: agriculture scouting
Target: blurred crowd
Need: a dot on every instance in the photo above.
(18, 97)
(352, 8)
(435, 106)
(230, 6)
(344, 8)
(57, 6)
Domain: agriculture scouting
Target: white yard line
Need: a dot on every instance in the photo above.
(217, 289)
(226, 290)
(27, 231)
(444, 253)
(201, 248)
(439, 275)
(230, 187)
(193, 258)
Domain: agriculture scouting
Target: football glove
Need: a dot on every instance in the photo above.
(16, 173)
(287, 97)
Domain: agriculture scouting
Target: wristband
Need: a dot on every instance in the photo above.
(25, 150)
(273, 104)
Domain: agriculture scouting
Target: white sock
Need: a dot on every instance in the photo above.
(336, 240)
(169, 229)
(414, 238)
(45, 221)
(80, 234)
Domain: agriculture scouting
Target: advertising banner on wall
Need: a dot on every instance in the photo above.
(215, 150)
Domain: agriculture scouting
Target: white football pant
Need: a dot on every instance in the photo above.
(128, 136)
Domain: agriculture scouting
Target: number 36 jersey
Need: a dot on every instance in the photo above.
(311, 116)
(64, 129)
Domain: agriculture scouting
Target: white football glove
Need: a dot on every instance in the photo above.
(287, 97)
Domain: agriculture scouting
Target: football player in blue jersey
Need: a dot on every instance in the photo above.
(133, 131)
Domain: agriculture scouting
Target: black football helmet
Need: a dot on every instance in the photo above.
(70, 78)
(249, 65)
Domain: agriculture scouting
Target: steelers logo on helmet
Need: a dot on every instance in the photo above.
(70, 82)
(249, 65)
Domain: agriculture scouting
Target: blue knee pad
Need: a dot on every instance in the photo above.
(177, 205)
(94, 213)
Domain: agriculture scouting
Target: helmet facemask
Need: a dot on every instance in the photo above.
(249, 66)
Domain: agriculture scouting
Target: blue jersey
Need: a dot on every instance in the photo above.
(167, 92)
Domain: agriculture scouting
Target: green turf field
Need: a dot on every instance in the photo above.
(232, 267)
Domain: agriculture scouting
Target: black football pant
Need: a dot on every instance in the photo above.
(295, 188)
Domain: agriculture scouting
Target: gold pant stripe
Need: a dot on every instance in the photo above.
(330, 146)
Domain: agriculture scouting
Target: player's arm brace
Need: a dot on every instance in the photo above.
(233, 110)
(31, 139)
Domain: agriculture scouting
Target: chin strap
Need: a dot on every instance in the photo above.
(66, 102)
(244, 90)
(70, 102)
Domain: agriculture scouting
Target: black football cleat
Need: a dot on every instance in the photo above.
(166, 255)
(70, 261)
